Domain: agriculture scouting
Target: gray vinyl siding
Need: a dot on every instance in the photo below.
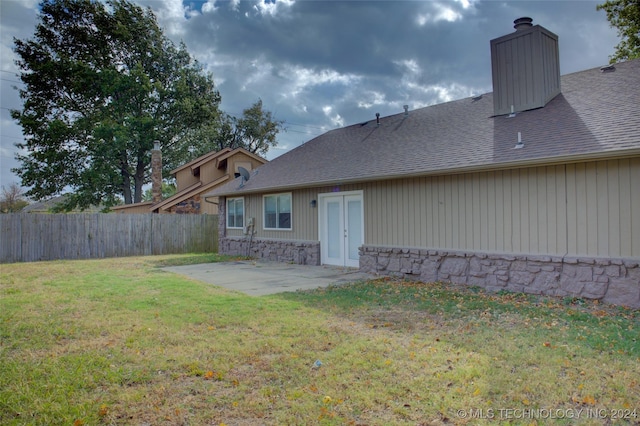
(589, 209)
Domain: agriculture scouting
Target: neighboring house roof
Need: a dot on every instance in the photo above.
(597, 115)
(197, 162)
(229, 154)
(46, 206)
(130, 206)
(189, 192)
(219, 156)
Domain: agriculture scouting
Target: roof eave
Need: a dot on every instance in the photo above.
(196, 162)
(241, 151)
(546, 161)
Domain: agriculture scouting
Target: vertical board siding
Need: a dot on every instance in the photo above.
(581, 209)
(602, 212)
(604, 208)
(34, 237)
(634, 219)
(626, 206)
(304, 218)
(576, 209)
(613, 208)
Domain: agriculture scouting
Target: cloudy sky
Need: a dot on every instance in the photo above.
(318, 65)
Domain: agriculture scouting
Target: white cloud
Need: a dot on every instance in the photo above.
(234, 4)
(443, 11)
(301, 108)
(465, 3)
(172, 16)
(410, 65)
(336, 119)
(372, 98)
(272, 9)
(413, 83)
(298, 79)
(210, 6)
(259, 72)
(440, 92)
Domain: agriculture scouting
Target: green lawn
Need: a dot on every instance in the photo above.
(119, 341)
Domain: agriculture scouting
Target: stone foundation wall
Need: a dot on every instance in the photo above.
(615, 281)
(297, 252)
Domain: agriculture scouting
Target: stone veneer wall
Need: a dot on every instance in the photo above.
(298, 252)
(615, 281)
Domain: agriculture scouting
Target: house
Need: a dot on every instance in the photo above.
(193, 179)
(532, 188)
(47, 206)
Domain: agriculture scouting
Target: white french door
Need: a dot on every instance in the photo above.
(341, 228)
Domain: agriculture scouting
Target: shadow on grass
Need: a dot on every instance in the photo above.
(600, 327)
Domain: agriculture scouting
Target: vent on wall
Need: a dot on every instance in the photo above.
(525, 68)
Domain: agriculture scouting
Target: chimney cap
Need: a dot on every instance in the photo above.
(522, 23)
(156, 145)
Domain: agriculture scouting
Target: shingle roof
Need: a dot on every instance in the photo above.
(597, 115)
(220, 156)
(186, 193)
(197, 162)
(45, 206)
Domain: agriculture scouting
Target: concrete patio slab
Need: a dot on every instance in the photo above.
(258, 278)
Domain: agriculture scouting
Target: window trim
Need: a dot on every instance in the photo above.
(264, 212)
(243, 213)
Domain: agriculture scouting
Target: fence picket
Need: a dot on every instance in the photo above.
(34, 237)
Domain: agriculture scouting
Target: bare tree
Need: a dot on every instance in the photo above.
(12, 199)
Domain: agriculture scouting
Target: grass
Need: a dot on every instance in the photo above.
(119, 341)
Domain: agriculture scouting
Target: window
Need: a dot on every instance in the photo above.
(235, 212)
(277, 211)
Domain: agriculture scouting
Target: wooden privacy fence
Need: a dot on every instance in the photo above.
(33, 237)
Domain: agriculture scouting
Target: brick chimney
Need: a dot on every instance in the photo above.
(525, 66)
(156, 173)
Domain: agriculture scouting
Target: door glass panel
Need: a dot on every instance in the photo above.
(354, 227)
(334, 231)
